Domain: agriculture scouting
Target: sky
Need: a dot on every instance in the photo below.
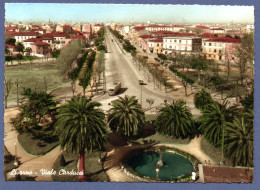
(128, 12)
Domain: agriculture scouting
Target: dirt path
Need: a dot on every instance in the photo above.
(115, 155)
(27, 162)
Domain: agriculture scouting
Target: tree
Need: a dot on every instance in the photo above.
(85, 81)
(175, 120)
(68, 56)
(184, 79)
(55, 53)
(126, 116)
(8, 85)
(10, 41)
(81, 127)
(38, 105)
(244, 53)
(19, 57)
(239, 145)
(199, 63)
(100, 65)
(20, 47)
(7, 51)
(202, 99)
(214, 120)
(248, 101)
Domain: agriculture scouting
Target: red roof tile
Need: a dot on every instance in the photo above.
(97, 25)
(11, 27)
(10, 46)
(29, 33)
(138, 28)
(32, 40)
(207, 35)
(58, 34)
(202, 27)
(10, 33)
(40, 43)
(216, 29)
(225, 40)
(74, 32)
(66, 26)
(156, 40)
(158, 26)
(181, 34)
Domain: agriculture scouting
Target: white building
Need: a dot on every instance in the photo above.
(22, 36)
(182, 44)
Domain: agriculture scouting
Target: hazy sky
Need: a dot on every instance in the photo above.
(127, 13)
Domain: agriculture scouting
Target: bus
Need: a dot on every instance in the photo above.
(114, 88)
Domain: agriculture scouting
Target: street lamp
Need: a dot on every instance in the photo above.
(157, 174)
(15, 156)
(141, 83)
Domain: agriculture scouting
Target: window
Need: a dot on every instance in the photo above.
(174, 40)
(179, 41)
(157, 45)
(209, 44)
(170, 47)
(220, 51)
(215, 50)
(219, 57)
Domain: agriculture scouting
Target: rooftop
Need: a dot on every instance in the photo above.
(156, 40)
(40, 43)
(216, 29)
(225, 40)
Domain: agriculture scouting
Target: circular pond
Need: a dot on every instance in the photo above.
(174, 165)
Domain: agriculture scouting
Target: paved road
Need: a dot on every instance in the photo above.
(120, 67)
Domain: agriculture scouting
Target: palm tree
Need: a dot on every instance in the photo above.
(175, 120)
(81, 127)
(240, 142)
(126, 116)
(202, 99)
(214, 120)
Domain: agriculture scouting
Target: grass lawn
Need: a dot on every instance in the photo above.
(31, 78)
(213, 152)
(162, 139)
(93, 169)
(35, 146)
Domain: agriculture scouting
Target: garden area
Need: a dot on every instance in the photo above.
(44, 76)
(93, 168)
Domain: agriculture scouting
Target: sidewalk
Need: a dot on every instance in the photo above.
(26, 161)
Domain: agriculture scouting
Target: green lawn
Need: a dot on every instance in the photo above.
(35, 146)
(34, 77)
(93, 169)
(162, 139)
(213, 152)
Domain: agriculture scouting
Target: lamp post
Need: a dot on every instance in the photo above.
(141, 83)
(15, 156)
(157, 174)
